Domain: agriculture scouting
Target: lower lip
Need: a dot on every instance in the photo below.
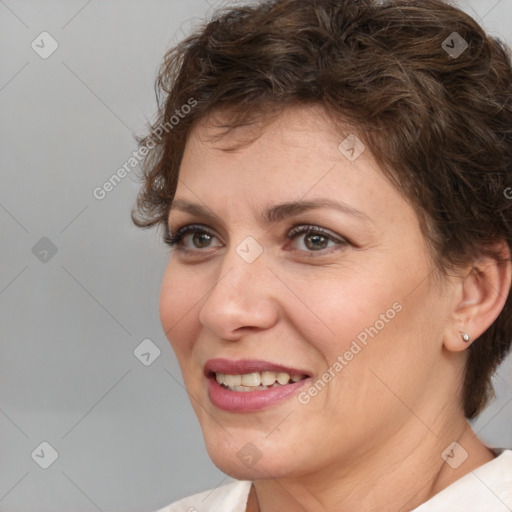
(249, 401)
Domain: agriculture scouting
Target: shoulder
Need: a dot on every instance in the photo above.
(488, 487)
(228, 498)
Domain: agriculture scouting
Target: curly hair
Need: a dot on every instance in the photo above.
(420, 82)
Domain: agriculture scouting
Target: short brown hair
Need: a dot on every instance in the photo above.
(439, 124)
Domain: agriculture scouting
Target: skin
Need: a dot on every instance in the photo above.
(372, 438)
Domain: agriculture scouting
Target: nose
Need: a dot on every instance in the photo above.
(242, 299)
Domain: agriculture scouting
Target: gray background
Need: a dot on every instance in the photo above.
(126, 436)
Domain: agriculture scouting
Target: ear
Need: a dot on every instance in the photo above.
(482, 295)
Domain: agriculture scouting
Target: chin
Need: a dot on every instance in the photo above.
(264, 468)
(244, 457)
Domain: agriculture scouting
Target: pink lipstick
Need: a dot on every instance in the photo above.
(248, 385)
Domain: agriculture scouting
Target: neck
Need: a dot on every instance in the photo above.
(399, 476)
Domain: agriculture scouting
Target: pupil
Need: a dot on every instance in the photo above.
(316, 242)
(202, 240)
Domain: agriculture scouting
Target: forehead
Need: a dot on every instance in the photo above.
(300, 154)
(298, 127)
(301, 141)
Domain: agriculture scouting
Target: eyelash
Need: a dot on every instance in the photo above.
(173, 240)
(304, 229)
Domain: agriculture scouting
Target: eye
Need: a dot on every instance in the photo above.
(193, 237)
(314, 239)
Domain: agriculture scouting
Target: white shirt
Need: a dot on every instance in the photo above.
(486, 489)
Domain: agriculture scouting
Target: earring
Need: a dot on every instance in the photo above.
(465, 336)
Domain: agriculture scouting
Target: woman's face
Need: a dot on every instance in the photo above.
(300, 262)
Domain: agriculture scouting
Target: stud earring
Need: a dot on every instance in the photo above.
(465, 336)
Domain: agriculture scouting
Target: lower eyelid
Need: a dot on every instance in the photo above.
(339, 244)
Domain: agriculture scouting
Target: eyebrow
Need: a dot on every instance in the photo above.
(274, 213)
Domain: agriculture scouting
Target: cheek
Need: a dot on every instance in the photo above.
(176, 308)
(365, 325)
(341, 308)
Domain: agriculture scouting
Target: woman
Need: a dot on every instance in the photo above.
(332, 176)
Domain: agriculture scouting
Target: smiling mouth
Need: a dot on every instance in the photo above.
(251, 385)
(256, 381)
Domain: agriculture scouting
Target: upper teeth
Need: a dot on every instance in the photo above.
(256, 379)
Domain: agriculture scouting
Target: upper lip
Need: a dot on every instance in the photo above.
(242, 366)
